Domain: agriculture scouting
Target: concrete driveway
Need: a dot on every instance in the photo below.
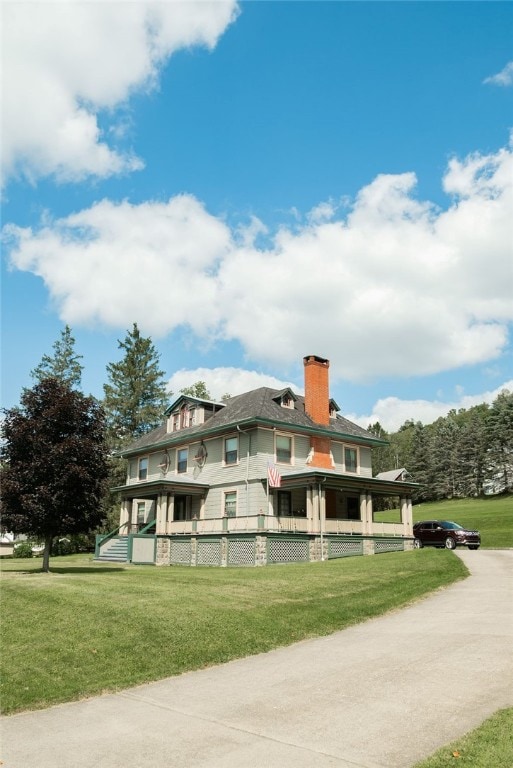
(385, 693)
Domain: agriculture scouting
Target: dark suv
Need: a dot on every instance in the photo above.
(444, 533)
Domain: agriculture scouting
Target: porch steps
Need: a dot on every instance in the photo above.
(115, 551)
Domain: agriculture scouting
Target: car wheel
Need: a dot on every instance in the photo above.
(417, 544)
(473, 546)
(450, 543)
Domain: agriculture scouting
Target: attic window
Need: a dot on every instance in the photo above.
(184, 417)
(287, 401)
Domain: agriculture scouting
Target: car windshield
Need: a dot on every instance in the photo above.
(451, 526)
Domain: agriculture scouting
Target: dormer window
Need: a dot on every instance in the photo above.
(285, 398)
(184, 417)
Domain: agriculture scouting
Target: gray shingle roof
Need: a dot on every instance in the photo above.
(258, 405)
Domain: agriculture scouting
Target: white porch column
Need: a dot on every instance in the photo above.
(309, 510)
(409, 518)
(160, 522)
(170, 512)
(370, 524)
(202, 508)
(124, 516)
(316, 509)
(363, 511)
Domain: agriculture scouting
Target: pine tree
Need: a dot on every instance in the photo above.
(421, 462)
(64, 365)
(135, 397)
(500, 440)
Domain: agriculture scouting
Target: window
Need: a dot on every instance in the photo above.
(141, 511)
(184, 417)
(230, 503)
(351, 459)
(143, 468)
(176, 422)
(231, 450)
(283, 449)
(284, 504)
(181, 460)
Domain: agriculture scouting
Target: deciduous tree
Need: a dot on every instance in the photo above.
(54, 463)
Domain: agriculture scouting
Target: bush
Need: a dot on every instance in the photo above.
(23, 549)
(63, 547)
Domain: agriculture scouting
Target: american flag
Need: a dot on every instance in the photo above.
(273, 476)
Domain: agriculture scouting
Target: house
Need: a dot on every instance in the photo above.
(268, 476)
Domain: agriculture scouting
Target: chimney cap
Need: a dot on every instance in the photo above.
(315, 359)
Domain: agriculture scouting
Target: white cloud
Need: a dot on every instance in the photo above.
(220, 381)
(396, 287)
(392, 412)
(65, 61)
(504, 77)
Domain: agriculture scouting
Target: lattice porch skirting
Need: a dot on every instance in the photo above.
(267, 549)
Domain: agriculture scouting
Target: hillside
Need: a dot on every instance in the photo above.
(491, 515)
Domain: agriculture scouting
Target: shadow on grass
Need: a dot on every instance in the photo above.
(67, 570)
(81, 569)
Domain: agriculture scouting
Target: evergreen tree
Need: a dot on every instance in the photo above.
(421, 466)
(135, 396)
(64, 365)
(500, 441)
(444, 457)
(472, 447)
(382, 456)
(53, 463)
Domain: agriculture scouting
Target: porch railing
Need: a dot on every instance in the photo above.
(261, 522)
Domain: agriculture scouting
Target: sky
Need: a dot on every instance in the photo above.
(254, 182)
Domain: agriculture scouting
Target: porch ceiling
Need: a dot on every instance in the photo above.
(153, 487)
(337, 480)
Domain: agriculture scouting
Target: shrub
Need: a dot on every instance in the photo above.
(23, 549)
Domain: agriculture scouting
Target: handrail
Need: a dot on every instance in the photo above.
(148, 526)
(104, 537)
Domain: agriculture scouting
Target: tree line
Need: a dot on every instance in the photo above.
(59, 453)
(467, 453)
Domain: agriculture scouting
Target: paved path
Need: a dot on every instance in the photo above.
(385, 693)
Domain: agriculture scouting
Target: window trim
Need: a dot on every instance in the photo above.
(237, 459)
(140, 475)
(226, 492)
(178, 451)
(290, 437)
(356, 449)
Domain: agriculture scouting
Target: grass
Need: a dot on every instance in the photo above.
(492, 516)
(489, 746)
(88, 628)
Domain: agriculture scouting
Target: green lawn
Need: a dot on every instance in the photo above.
(489, 746)
(87, 628)
(492, 516)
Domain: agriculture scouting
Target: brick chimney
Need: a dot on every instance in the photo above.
(317, 406)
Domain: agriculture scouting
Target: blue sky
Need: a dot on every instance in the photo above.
(255, 182)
